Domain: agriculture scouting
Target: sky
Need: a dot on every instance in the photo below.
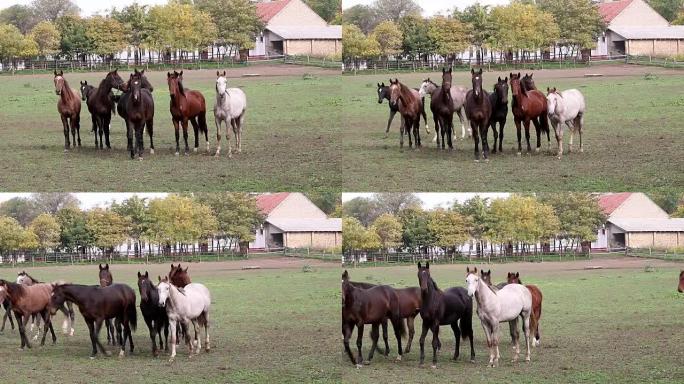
(432, 7)
(435, 200)
(92, 200)
(90, 7)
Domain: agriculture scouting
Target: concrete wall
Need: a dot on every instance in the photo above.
(639, 14)
(314, 240)
(321, 48)
(296, 13)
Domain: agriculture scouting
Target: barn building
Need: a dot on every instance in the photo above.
(293, 221)
(293, 28)
(634, 28)
(635, 221)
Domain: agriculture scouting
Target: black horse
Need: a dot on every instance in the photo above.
(383, 94)
(499, 101)
(87, 91)
(101, 104)
(154, 315)
(138, 110)
(7, 305)
(479, 111)
(442, 107)
(98, 304)
(450, 307)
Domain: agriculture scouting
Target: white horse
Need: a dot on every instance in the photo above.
(458, 96)
(230, 108)
(567, 108)
(185, 305)
(493, 308)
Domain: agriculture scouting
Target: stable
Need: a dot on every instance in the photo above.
(634, 28)
(293, 28)
(293, 221)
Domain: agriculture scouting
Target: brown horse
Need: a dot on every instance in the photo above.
(479, 111)
(179, 276)
(535, 316)
(680, 288)
(69, 108)
(442, 107)
(7, 305)
(529, 106)
(101, 105)
(187, 105)
(487, 278)
(410, 107)
(106, 280)
(26, 301)
(139, 110)
(368, 306)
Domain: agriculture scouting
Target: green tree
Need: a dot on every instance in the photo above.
(389, 38)
(416, 233)
(22, 209)
(449, 35)
(388, 228)
(356, 45)
(75, 41)
(21, 16)
(134, 210)
(579, 214)
(47, 37)
(237, 23)
(669, 9)
(362, 16)
(237, 215)
(327, 9)
(395, 9)
(363, 209)
(476, 210)
(198, 28)
(46, 229)
(52, 10)
(450, 229)
(74, 234)
(134, 19)
(107, 35)
(521, 220)
(108, 228)
(14, 45)
(416, 36)
(53, 202)
(477, 18)
(13, 237)
(522, 27)
(327, 201)
(179, 219)
(579, 22)
(355, 237)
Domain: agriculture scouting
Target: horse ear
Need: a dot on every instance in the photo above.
(100, 266)
(224, 73)
(499, 80)
(467, 269)
(61, 72)
(116, 71)
(475, 270)
(106, 266)
(427, 265)
(181, 73)
(419, 265)
(531, 75)
(159, 278)
(472, 71)
(506, 79)
(345, 275)
(168, 74)
(186, 269)
(450, 69)
(139, 275)
(55, 72)
(218, 74)
(517, 274)
(480, 71)
(147, 274)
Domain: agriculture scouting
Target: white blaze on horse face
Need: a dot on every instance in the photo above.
(423, 89)
(221, 85)
(163, 289)
(472, 281)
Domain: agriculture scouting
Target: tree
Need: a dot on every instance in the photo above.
(134, 19)
(521, 220)
(524, 27)
(52, 10)
(107, 36)
(449, 228)
(395, 202)
(134, 210)
(327, 9)
(47, 37)
(179, 219)
(416, 36)
(669, 9)
(362, 16)
(477, 18)
(73, 232)
(356, 45)
(198, 28)
(108, 228)
(395, 9)
(389, 37)
(476, 210)
(74, 42)
(21, 209)
(388, 229)
(363, 209)
(579, 214)
(237, 23)
(13, 237)
(46, 229)
(416, 233)
(327, 201)
(21, 16)
(55, 201)
(237, 215)
(355, 237)
(14, 45)
(579, 21)
(449, 35)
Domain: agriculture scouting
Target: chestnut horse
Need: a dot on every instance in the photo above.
(24, 278)
(384, 94)
(535, 316)
(187, 105)
(529, 106)
(410, 107)
(680, 288)
(479, 111)
(28, 300)
(368, 306)
(69, 108)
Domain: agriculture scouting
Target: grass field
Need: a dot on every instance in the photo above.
(290, 140)
(620, 324)
(281, 325)
(632, 139)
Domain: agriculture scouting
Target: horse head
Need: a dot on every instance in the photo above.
(486, 276)
(501, 89)
(144, 285)
(477, 82)
(106, 278)
(513, 278)
(57, 298)
(553, 99)
(515, 84)
(23, 278)
(163, 288)
(446, 80)
(395, 92)
(345, 285)
(59, 82)
(424, 276)
(135, 86)
(84, 90)
(383, 92)
(175, 83)
(114, 80)
(472, 281)
(221, 85)
(528, 82)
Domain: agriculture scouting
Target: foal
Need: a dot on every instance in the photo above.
(24, 278)
(69, 108)
(139, 109)
(106, 280)
(187, 105)
(499, 101)
(230, 108)
(101, 104)
(154, 315)
(479, 111)
(442, 108)
(28, 300)
(529, 106)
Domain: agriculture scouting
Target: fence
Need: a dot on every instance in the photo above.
(676, 254)
(306, 253)
(674, 62)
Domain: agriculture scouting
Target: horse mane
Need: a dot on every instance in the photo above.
(34, 280)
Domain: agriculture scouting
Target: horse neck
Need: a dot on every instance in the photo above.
(103, 89)
(71, 293)
(405, 96)
(431, 292)
(66, 96)
(484, 295)
(178, 96)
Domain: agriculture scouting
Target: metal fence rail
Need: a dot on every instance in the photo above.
(374, 259)
(676, 254)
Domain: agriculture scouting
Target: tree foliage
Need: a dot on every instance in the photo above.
(519, 26)
(21, 209)
(389, 37)
(579, 21)
(327, 9)
(47, 230)
(107, 228)
(388, 229)
(13, 236)
(107, 35)
(47, 38)
(198, 28)
(236, 21)
(355, 44)
(237, 215)
(21, 16)
(449, 35)
(52, 10)
(449, 228)
(669, 9)
(179, 219)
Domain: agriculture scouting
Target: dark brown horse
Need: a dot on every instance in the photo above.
(487, 278)
(179, 276)
(69, 108)
(680, 288)
(451, 307)
(368, 306)
(106, 279)
(187, 105)
(529, 106)
(499, 101)
(98, 304)
(28, 300)
(442, 107)
(101, 105)
(410, 107)
(139, 111)
(154, 315)
(7, 305)
(535, 316)
(479, 111)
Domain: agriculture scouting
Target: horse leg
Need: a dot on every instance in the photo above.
(558, 130)
(78, 128)
(457, 335)
(375, 335)
(70, 308)
(347, 330)
(408, 128)
(502, 124)
(127, 329)
(359, 343)
(22, 331)
(462, 119)
(110, 332)
(538, 131)
(65, 126)
(389, 122)
(98, 326)
(526, 329)
(46, 326)
(93, 338)
(106, 121)
(416, 133)
(401, 133)
(172, 332)
(435, 344)
(207, 347)
(526, 123)
(579, 122)
(492, 124)
(176, 127)
(154, 330)
(483, 136)
(217, 121)
(412, 331)
(100, 131)
(196, 130)
(166, 336)
(140, 127)
(515, 339)
(518, 128)
(234, 126)
(476, 139)
(150, 132)
(73, 131)
(185, 136)
(421, 342)
(397, 324)
(437, 131)
(241, 124)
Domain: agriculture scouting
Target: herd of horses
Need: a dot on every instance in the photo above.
(364, 303)
(135, 105)
(482, 110)
(169, 307)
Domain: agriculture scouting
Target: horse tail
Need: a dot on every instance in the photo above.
(536, 317)
(132, 316)
(202, 120)
(397, 321)
(466, 321)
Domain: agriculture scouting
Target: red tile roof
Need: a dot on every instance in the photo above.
(269, 201)
(611, 201)
(611, 10)
(266, 11)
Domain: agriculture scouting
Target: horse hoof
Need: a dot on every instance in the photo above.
(399, 358)
(177, 154)
(366, 362)
(122, 354)
(151, 151)
(140, 158)
(472, 361)
(171, 360)
(91, 357)
(107, 353)
(187, 153)
(486, 160)
(195, 150)
(359, 366)
(519, 154)
(433, 366)
(477, 160)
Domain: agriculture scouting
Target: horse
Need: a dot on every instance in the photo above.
(487, 278)
(230, 108)
(139, 110)
(121, 107)
(384, 94)
(499, 101)
(442, 108)
(458, 96)
(567, 107)
(368, 306)
(154, 315)
(187, 105)
(529, 106)
(479, 111)
(28, 300)
(410, 107)
(69, 108)
(106, 279)
(179, 276)
(87, 91)
(24, 278)
(7, 305)
(101, 105)
(680, 288)
(183, 305)
(527, 82)
(97, 304)
(450, 307)
(535, 316)
(506, 304)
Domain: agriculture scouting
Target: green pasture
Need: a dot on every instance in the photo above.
(632, 140)
(291, 139)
